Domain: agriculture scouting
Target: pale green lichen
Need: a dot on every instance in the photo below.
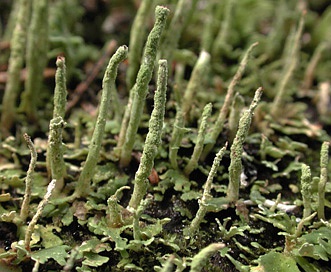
(178, 22)
(36, 58)
(324, 160)
(83, 185)
(140, 88)
(137, 37)
(291, 61)
(221, 42)
(235, 168)
(55, 149)
(176, 137)
(234, 117)
(18, 43)
(306, 184)
(60, 92)
(153, 138)
(194, 226)
(195, 84)
(193, 162)
(218, 126)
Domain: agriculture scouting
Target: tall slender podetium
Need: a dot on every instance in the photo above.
(153, 138)
(218, 126)
(324, 160)
(235, 167)
(54, 160)
(36, 58)
(83, 185)
(16, 59)
(140, 89)
(203, 205)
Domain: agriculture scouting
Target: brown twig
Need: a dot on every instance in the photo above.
(83, 86)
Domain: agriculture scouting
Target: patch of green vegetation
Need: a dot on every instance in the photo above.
(137, 180)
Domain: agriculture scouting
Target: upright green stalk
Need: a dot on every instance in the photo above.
(136, 218)
(176, 27)
(323, 179)
(234, 117)
(136, 44)
(220, 43)
(153, 138)
(36, 57)
(306, 190)
(16, 60)
(55, 151)
(8, 31)
(193, 162)
(235, 167)
(176, 137)
(140, 89)
(291, 63)
(311, 67)
(208, 33)
(28, 180)
(60, 92)
(83, 185)
(54, 161)
(218, 126)
(195, 84)
(206, 195)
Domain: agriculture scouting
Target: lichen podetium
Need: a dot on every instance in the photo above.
(194, 226)
(36, 58)
(193, 162)
(306, 189)
(140, 89)
(54, 157)
(153, 138)
(324, 160)
(223, 113)
(83, 185)
(16, 60)
(235, 167)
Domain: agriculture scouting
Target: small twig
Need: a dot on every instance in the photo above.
(28, 180)
(218, 126)
(33, 222)
(76, 95)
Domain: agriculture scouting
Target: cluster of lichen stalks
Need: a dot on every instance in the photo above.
(138, 78)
